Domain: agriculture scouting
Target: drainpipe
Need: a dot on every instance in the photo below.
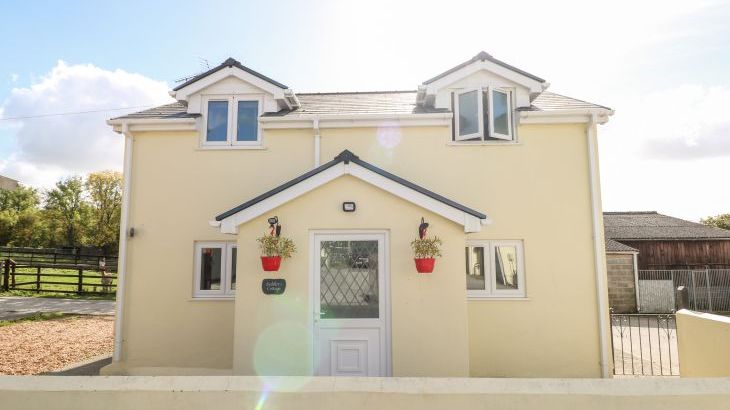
(598, 247)
(123, 236)
(317, 141)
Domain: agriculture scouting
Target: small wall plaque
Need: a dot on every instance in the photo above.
(273, 286)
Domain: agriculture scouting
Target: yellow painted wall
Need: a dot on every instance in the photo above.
(176, 190)
(536, 190)
(428, 312)
(702, 341)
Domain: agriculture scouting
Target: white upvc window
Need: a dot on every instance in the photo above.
(483, 114)
(495, 269)
(215, 269)
(231, 120)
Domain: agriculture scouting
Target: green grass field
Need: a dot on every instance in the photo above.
(65, 287)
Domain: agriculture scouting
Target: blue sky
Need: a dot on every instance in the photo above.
(662, 65)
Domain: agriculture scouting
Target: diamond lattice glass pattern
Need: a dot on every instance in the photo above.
(349, 279)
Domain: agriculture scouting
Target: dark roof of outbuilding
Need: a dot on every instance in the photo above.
(615, 246)
(651, 225)
(230, 62)
(347, 156)
(361, 103)
(484, 56)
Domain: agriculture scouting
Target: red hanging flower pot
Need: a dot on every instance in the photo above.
(425, 265)
(271, 263)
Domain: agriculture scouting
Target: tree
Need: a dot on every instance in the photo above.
(19, 217)
(719, 221)
(19, 199)
(104, 190)
(66, 204)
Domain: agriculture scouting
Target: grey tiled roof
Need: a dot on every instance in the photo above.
(652, 225)
(375, 102)
(230, 62)
(615, 246)
(167, 111)
(548, 101)
(482, 56)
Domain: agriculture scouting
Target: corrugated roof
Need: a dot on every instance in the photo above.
(375, 102)
(648, 225)
(615, 246)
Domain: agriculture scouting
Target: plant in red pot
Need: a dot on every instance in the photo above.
(274, 247)
(426, 249)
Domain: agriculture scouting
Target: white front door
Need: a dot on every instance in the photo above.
(350, 280)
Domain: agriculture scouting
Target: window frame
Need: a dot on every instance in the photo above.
(485, 130)
(490, 290)
(232, 126)
(480, 115)
(205, 122)
(510, 126)
(226, 274)
(234, 129)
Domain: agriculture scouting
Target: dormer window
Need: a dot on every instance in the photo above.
(483, 114)
(232, 121)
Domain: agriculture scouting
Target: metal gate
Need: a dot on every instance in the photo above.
(644, 345)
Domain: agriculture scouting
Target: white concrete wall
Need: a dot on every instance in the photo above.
(183, 393)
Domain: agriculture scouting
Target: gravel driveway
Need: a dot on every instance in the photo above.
(33, 347)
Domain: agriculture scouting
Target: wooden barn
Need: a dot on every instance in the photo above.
(665, 242)
(650, 246)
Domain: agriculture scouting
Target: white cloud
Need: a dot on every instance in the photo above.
(52, 147)
(668, 151)
(693, 123)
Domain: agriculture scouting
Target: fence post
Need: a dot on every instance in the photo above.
(682, 298)
(38, 278)
(709, 293)
(694, 288)
(81, 281)
(6, 275)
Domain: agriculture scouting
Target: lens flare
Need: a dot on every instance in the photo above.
(262, 399)
(389, 135)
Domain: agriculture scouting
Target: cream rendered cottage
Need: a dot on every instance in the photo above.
(504, 172)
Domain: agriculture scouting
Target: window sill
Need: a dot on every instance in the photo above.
(480, 143)
(228, 298)
(230, 147)
(499, 298)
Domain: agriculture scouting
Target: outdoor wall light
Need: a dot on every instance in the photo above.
(348, 206)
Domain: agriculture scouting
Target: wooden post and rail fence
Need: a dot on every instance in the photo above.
(57, 271)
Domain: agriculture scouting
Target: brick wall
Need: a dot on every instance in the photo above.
(621, 284)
